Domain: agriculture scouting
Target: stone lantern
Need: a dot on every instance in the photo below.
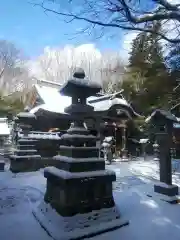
(25, 120)
(78, 201)
(25, 155)
(166, 190)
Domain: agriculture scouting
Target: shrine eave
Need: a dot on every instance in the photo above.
(167, 114)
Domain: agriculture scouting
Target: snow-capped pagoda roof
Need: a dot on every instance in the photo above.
(51, 100)
(4, 128)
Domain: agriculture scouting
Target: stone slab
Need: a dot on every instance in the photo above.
(79, 226)
(165, 189)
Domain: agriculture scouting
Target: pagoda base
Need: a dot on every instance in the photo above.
(78, 226)
(23, 163)
(73, 193)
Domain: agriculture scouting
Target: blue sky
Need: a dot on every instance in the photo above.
(32, 30)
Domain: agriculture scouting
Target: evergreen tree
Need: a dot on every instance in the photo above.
(173, 63)
(138, 54)
(146, 58)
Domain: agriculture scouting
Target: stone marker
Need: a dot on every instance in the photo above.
(169, 192)
(78, 201)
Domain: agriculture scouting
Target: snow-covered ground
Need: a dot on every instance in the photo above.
(150, 218)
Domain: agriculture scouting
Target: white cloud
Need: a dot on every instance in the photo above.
(56, 64)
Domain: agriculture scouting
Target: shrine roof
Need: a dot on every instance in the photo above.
(105, 102)
(53, 101)
(4, 129)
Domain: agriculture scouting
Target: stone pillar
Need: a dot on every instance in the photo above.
(165, 187)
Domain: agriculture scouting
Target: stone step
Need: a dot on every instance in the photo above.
(25, 152)
(25, 147)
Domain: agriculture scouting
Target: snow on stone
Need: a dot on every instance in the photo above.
(41, 135)
(24, 157)
(44, 136)
(79, 225)
(68, 175)
(70, 159)
(150, 218)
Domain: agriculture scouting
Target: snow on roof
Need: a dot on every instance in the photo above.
(106, 103)
(55, 102)
(56, 108)
(3, 120)
(4, 129)
(44, 82)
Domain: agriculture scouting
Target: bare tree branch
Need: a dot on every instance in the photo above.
(167, 5)
(121, 14)
(12, 69)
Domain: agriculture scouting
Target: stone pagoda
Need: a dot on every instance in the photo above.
(25, 154)
(78, 201)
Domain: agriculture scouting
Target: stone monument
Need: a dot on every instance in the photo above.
(25, 155)
(167, 191)
(78, 201)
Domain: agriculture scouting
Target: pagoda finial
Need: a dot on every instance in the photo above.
(79, 73)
